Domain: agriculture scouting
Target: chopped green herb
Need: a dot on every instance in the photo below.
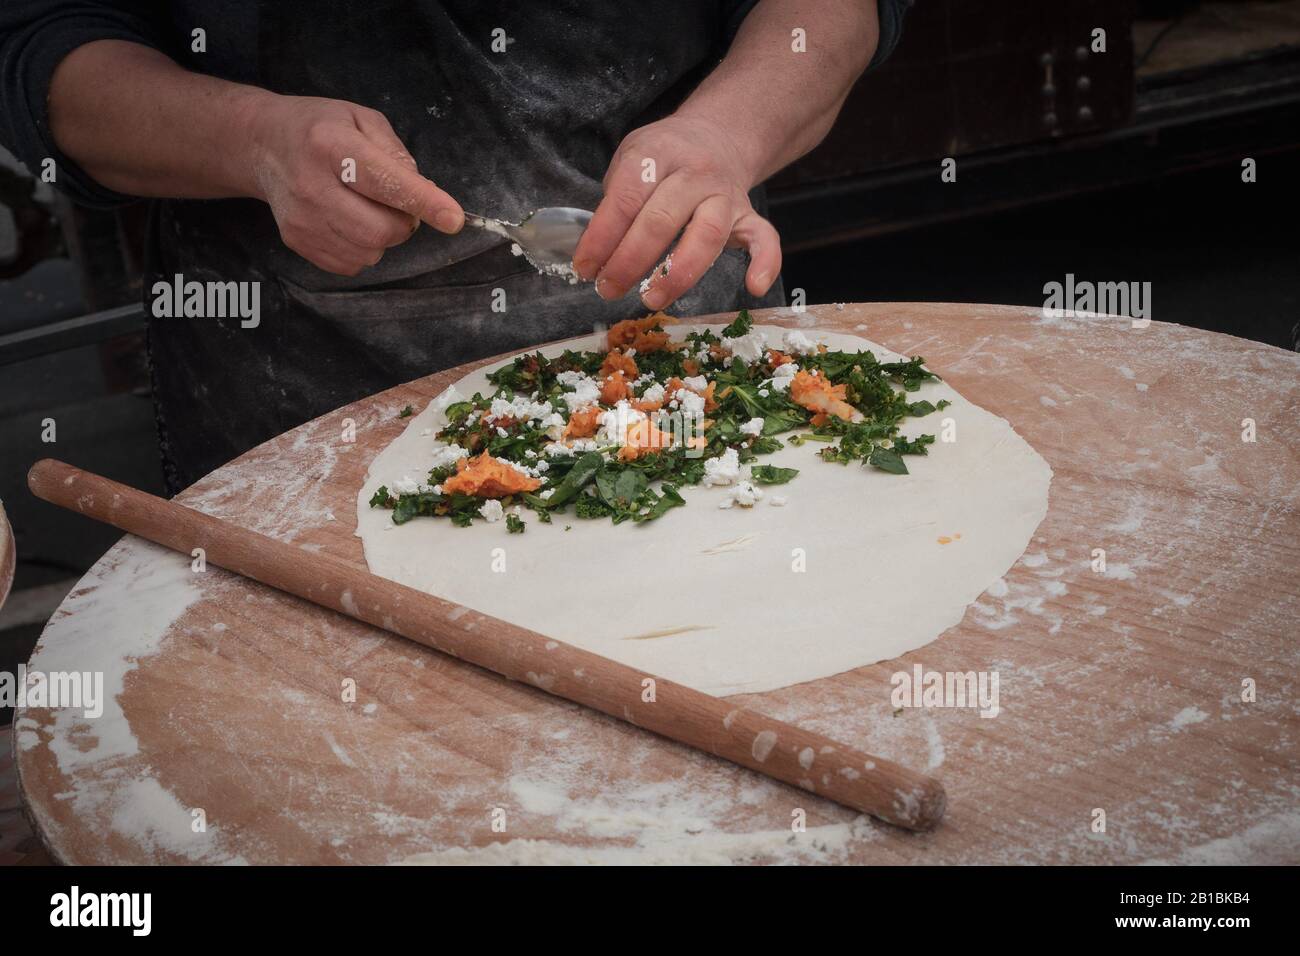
(771, 475)
(599, 483)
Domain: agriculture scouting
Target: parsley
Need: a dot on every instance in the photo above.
(598, 484)
(406, 412)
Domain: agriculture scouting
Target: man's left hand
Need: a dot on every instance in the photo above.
(678, 173)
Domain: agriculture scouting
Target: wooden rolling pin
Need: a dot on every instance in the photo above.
(782, 751)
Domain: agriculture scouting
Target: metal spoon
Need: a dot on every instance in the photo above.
(546, 237)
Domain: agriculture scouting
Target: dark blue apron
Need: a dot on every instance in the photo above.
(502, 132)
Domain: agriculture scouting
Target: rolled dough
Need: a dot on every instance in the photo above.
(858, 566)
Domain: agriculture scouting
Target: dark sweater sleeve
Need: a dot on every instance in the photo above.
(890, 13)
(35, 36)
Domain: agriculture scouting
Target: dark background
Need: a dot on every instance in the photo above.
(1118, 166)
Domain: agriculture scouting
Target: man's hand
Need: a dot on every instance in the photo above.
(140, 124)
(771, 99)
(342, 186)
(679, 173)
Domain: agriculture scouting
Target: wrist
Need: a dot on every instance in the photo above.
(247, 130)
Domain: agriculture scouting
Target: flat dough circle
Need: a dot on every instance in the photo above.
(714, 598)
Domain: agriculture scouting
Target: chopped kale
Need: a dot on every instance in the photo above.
(600, 484)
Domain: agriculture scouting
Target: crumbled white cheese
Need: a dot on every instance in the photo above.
(749, 348)
(783, 376)
(723, 470)
(752, 427)
(777, 501)
(655, 393)
(406, 485)
(614, 424)
(798, 343)
(689, 402)
(583, 390)
(697, 383)
(531, 472)
(521, 408)
(743, 494)
(492, 510)
(444, 455)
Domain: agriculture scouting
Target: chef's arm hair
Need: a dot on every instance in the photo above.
(140, 124)
(774, 100)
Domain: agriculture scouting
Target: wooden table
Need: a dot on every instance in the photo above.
(1120, 691)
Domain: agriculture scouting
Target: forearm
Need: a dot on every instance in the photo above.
(776, 104)
(139, 124)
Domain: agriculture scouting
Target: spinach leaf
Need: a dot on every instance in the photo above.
(886, 460)
(771, 475)
(584, 470)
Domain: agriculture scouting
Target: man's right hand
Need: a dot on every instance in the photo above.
(342, 186)
(139, 124)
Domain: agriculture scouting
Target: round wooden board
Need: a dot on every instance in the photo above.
(1119, 691)
(8, 556)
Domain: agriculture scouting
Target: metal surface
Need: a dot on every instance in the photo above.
(546, 237)
(71, 333)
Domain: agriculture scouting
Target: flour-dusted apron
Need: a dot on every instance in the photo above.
(503, 132)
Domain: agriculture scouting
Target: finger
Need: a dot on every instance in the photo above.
(349, 252)
(759, 237)
(329, 262)
(705, 237)
(650, 235)
(375, 127)
(625, 194)
(329, 251)
(366, 223)
(395, 183)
